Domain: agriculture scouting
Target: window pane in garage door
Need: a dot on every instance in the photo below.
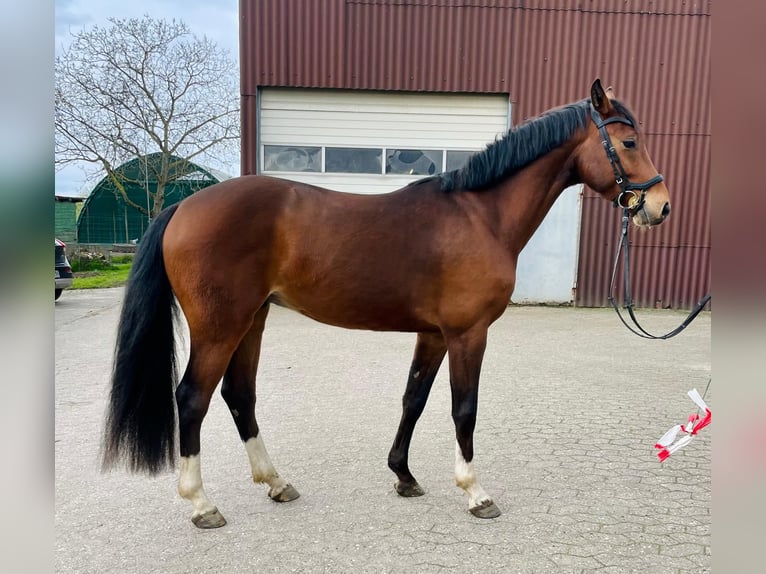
(353, 160)
(457, 158)
(413, 161)
(292, 158)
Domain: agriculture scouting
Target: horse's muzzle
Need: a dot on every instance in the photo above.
(644, 218)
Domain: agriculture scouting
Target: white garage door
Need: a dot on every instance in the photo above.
(374, 142)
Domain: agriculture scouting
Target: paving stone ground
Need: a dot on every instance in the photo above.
(570, 406)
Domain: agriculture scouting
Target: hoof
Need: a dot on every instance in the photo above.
(408, 489)
(209, 519)
(486, 509)
(287, 494)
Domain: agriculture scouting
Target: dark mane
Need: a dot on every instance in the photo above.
(519, 147)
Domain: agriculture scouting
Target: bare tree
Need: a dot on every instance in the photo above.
(144, 86)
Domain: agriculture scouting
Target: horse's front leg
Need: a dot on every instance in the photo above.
(466, 352)
(429, 353)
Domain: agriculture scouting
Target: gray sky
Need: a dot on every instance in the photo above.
(216, 19)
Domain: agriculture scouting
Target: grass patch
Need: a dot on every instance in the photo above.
(85, 264)
(101, 274)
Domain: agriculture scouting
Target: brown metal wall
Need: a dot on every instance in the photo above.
(543, 53)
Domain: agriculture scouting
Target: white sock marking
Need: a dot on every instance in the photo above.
(262, 468)
(190, 485)
(465, 478)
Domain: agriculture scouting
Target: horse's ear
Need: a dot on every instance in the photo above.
(610, 93)
(599, 99)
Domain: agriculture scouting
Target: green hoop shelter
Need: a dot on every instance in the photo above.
(107, 219)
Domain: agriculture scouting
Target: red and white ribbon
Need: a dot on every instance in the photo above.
(668, 444)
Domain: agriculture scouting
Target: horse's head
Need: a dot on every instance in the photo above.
(614, 162)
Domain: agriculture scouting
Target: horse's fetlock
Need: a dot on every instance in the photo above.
(397, 461)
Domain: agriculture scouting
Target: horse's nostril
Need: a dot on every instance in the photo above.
(665, 210)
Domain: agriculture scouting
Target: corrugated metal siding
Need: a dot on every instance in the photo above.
(66, 221)
(672, 261)
(543, 53)
(292, 43)
(427, 47)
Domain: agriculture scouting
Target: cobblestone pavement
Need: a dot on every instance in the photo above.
(570, 407)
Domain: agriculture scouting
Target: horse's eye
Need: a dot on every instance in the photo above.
(629, 144)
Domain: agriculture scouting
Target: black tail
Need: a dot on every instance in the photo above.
(141, 420)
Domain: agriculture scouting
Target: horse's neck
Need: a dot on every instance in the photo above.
(524, 199)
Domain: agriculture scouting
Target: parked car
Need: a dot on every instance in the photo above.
(63, 273)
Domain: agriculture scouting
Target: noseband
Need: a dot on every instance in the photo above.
(628, 196)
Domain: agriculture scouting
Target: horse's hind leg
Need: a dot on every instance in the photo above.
(429, 353)
(239, 390)
(207, 363)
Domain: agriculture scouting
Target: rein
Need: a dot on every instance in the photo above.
(641, 332)
(629, 200)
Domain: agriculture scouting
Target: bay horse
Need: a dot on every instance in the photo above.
(436, 257)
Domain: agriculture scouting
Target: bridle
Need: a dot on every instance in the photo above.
(629, 200)
(628, 197)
